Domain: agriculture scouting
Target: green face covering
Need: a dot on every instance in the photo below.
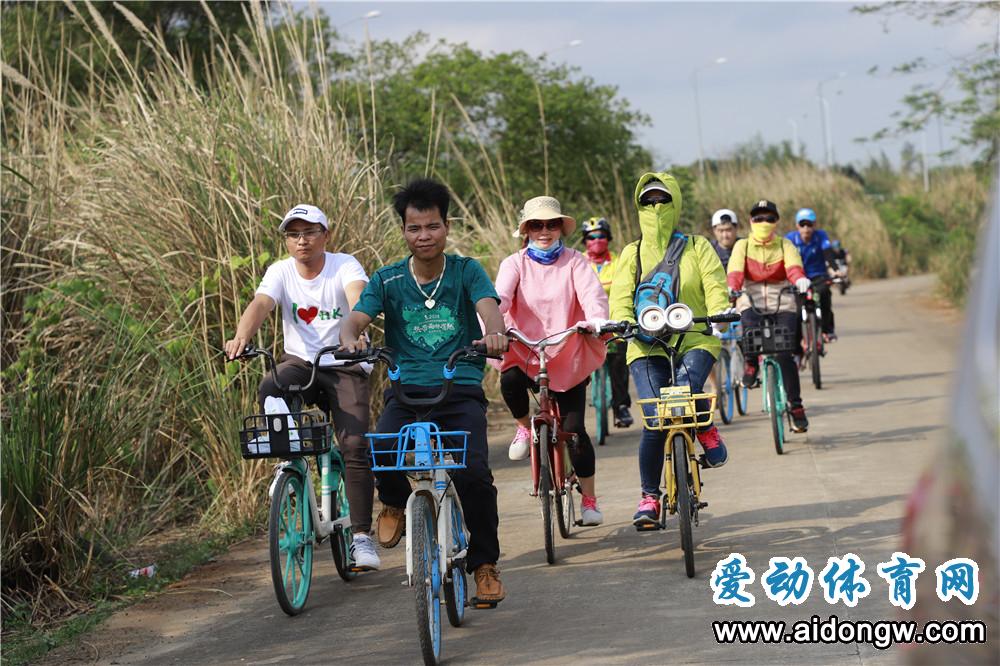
(762, 231)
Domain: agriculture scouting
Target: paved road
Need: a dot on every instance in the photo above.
(617, 596)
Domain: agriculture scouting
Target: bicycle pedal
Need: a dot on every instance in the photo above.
(649, 527)
(703, 505)
(482, 605)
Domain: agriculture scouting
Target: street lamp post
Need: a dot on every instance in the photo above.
(697, 111)
(824, 117)
(371, 77)
(541, 111)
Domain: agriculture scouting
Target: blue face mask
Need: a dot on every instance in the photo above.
(548, 256)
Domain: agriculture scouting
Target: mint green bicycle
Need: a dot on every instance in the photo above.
(296, 523)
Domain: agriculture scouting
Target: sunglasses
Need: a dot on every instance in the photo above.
(551, 225)
(803, 223)
(657, 198)
(595, 237)
(764, 218)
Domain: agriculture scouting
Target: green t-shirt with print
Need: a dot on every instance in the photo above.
(423, 338)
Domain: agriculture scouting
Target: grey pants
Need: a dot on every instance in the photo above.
(346, 392)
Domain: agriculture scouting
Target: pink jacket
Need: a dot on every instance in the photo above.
(540, 300)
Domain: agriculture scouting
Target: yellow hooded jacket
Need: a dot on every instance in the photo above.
(702, 278)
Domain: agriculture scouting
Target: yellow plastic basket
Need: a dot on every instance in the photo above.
(677, 407)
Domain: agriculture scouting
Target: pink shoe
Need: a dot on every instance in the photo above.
(521, 444)
(715, 448)
(589, 513)
(648, 512)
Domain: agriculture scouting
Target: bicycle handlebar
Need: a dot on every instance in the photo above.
(753, 306)
(252, 352)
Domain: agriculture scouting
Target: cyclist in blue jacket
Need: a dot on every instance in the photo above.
(818, 261)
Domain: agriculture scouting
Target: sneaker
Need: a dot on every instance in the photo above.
(830, 337)
(799, 421)
(715, 449)
(623, 418)
(749, 375)
(489, 589)
(521, 444)
(364, 554)
(589, 513)
(389, 526)
(648, 512)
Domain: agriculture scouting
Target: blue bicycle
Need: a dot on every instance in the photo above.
(436, 536)
(732, 395)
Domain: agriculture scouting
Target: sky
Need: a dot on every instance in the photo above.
(776, 53)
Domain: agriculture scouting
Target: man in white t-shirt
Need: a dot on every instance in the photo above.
(316, 289)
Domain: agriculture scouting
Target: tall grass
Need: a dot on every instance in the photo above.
(137, 219)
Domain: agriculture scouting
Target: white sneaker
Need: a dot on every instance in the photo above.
(364, 554)
(521, 445)
(590, 515)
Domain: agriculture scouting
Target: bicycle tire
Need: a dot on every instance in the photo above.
(814, 350)
(775, 411)
(340, 540)
(455, 586)
(564, 511)
(545, 493)
(724, 387)
(427, 580)
(599, 391)
(843, 288)
(290, 532)
(679, 459)
(740, 393)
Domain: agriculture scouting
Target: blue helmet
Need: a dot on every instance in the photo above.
(807, 214)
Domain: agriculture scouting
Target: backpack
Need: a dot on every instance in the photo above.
(661, 285)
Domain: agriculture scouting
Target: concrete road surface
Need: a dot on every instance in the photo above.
(615, 595)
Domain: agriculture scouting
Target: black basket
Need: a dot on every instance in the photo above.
(271, 436)
(767, 338)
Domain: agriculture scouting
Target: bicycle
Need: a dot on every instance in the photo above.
(812, 333)
(600, 398)
(552, 476)
(677, 413)
(436, 536)
(728, 372)
(295, 522)
(767, 340)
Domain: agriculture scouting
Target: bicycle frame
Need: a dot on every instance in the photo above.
(331, 465)
(435, 486)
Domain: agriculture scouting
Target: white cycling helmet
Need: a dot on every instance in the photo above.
(718, 217)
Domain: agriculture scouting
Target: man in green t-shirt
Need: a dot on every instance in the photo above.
(430, 301)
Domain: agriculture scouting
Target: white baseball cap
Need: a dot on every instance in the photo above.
(721, 213)
(306, 213)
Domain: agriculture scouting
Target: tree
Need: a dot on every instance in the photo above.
(969, 94)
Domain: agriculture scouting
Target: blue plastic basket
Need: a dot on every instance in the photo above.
(418, 447)
(733, 332)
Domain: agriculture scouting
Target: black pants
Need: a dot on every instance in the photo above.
(515, 384)
(789, 371)
(465, 409)
(618, 371)
(823, 292)
(346, 392)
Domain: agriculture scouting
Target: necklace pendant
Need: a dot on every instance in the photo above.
(430, 303)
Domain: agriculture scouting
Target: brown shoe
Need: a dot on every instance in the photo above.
(489, 589)
(389, 526)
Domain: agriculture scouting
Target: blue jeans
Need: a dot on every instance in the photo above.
(648, 375)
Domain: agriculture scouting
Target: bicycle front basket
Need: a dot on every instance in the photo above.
(768, 338)
(284, 435)
(418, 447)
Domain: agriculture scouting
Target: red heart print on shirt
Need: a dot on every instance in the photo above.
(308, 315)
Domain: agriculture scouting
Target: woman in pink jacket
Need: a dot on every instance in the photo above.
(546, 288)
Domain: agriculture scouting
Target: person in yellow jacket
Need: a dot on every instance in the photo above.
(701, 285)
(596, 236)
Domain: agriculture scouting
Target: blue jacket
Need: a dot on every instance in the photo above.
(813, 254)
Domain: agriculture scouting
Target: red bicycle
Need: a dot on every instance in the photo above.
(552, 475)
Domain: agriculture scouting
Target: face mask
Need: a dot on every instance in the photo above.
(548, 256)
(597, 248)
(762, 231)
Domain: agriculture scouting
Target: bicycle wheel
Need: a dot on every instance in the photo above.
(564, 499)
(545, 493)
(599, 391)
(740, 392)
(814, 349)
(427, 579)
(290, 542)
(679, 457)
(724, 386)
(341, 539)
(455, 587)
(775, 410)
